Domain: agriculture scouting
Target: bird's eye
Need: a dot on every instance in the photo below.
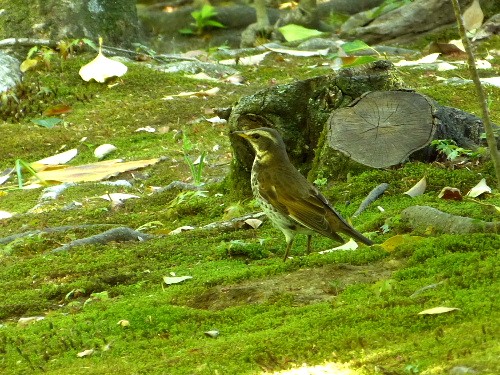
(256, 136)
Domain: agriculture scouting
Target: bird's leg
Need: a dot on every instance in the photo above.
(309, 238)
(289, 244)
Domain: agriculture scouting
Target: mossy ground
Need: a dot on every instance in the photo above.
(358, 307)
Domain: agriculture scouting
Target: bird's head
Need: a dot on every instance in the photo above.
(265, 141)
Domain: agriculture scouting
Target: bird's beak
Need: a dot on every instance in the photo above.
(241, 133)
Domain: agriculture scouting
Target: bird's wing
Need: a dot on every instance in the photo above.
(314, 213)
(308, 207)
(308, 210)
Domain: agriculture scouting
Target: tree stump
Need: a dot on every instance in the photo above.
(382, 128)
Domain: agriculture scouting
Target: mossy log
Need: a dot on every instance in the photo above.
(382, 128)
(386, 128)
(421, 218)
(300, 110)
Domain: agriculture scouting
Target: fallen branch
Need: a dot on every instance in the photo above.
(66, 228)
(371, 197)
(27, 42)
(120, 234)
(235, 223)
(422, 217)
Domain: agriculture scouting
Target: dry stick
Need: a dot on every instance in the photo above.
(371, 197)
(490, 135)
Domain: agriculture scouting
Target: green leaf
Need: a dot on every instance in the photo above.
(208, 11)
(186, 31)
(360, 61)
(214, 23)
(47, 122)
(293, 32)
(355, 46)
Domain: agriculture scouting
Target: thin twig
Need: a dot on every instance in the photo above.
(483, 102)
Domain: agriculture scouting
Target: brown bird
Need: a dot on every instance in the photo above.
(290, 201)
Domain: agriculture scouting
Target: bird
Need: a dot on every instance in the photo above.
(290, 201)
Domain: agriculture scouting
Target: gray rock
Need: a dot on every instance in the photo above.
(10, 75)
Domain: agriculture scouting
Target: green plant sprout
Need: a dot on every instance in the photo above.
(196, 167)
(45, 54)
(19, 170)
(449, 148)
(202, 20)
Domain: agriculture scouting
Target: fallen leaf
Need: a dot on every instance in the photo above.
(98, 171)
(247, 60)
(213, 334)
(28, 64)
(103, 150)
(429, 59)
(123, 323)
(5, 175)
(418, 188)
(292, 32)
(118, 197)
(349, 245)
(5, 215)
(181, 229)
(57, 110)
(46, 122)
(169, 280)
(102, 68)
(450, 193)
(147, 129)
(494, 81)
(438, 310)
(391, 243)
(29, 320)
(473, 16)
(216, 120)
(297, 52)
(201, 76)
(254, 223)
(57, 159)
(85, 353)
(479, 189)
(194, 94)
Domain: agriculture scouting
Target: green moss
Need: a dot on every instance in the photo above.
(360, 305)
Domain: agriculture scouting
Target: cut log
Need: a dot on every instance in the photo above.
(383, 128)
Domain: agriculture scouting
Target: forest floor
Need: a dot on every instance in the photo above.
(106, 309)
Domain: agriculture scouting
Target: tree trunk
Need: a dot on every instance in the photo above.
(115, 21)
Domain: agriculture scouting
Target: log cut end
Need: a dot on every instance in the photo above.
(382, 128)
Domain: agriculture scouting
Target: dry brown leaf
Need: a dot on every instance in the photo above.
(450, 193)
(95, 171)
(57, 110)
